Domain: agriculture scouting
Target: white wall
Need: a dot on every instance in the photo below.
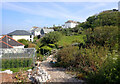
(26, 37)
(18, 46)
(70, 25)
(37, 33)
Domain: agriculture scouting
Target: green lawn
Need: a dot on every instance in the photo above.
(67, 40)
(18, 69)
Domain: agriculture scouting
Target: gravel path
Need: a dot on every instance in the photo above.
(58, 74)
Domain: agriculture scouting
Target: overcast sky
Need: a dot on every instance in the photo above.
(24, 15)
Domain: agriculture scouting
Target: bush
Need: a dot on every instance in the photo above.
(31, 45)
(107, 35)
(45, 49)
(25, 42)
(65, 56)
(109, 72)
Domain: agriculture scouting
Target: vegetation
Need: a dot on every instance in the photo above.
(16, 63)
(51, 38)
(68, 40)
(105, 18)
(27, 43)
(23, 41)
(97, 56)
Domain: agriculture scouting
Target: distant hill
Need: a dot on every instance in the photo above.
(105, 18)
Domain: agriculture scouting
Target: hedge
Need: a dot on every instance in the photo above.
(15, 63)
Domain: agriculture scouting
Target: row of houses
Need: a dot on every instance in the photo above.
(38, 31)
(11, 39)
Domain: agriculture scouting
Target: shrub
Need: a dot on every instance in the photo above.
(23, 41)
(45, 49)
(109, 72)
(65, 56)
(31, 45)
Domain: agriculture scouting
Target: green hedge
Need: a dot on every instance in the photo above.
(15, 63)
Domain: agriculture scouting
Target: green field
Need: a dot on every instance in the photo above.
(67, 40)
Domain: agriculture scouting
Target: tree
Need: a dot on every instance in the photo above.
(51, 38)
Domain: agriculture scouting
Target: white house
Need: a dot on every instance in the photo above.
(70, 24)
(8, 42)
(21, 34)
(45, 31)
(37, 31)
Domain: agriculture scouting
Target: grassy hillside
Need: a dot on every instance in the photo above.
(67, 40)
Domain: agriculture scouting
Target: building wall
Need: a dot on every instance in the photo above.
(18, 46)
(37, 33)
(70, 25)
(26, 37)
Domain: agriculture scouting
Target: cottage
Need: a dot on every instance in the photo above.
(70, 24)
(21, 34)
(45, 31)
(37, 31)
(8, 42)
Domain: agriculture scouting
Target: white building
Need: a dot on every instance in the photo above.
(21, 34)
(37, 31)
(70, 24)
(119, 6)
(45, 31)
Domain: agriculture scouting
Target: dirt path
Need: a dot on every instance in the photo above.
(57, 74)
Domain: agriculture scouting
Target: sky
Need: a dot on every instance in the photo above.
(25, 15)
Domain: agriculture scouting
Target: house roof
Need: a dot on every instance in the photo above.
(71, 21)
(19, 32)
(9, 42)
(47, 30)
(4, 45)
(38, 29)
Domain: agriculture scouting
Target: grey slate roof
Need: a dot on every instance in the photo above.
(8, 42)
(4, 45)
(19, 32)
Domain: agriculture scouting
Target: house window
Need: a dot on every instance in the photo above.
(30, 36)
(30, 40)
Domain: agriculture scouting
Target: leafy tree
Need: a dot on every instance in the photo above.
(51, 38)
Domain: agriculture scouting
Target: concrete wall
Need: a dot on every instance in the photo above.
(26, 37)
